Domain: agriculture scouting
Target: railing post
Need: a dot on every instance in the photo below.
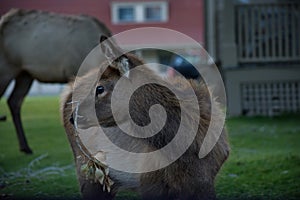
(228, 48)
(211, 34)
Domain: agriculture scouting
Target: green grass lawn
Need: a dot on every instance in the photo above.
(264, 161)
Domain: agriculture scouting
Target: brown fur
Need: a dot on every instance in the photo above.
(188, 177)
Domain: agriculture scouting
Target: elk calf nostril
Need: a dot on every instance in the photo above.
(72, 120)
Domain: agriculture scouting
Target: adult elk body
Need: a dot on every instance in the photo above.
(44, 46)
(189, 177)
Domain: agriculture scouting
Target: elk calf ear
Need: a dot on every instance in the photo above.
(112, 51)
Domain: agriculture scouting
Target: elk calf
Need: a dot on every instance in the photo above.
(188, 177)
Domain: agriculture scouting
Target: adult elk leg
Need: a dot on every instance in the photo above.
(4, 82)
(22, 86)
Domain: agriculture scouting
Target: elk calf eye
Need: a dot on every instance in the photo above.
(99, 90)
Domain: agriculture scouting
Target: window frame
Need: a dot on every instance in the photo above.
(140, 12)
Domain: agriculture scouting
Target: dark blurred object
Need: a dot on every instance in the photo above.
(3, 118)
(184, 65)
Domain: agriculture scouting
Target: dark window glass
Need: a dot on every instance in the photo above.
(153, 13)
(126, 14)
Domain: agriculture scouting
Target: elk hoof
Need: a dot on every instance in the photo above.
(26, 150)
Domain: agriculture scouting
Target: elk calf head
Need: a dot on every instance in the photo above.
(100, 93)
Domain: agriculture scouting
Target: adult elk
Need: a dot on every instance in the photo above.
(188, 177)
(44, 46)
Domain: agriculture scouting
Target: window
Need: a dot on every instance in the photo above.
(153, 13)
(126, 14)
(139, 12)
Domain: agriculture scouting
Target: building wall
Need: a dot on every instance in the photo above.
(185, 16)
(260, 86)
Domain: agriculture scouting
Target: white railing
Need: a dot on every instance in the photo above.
(270, 98)
(268, 32)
